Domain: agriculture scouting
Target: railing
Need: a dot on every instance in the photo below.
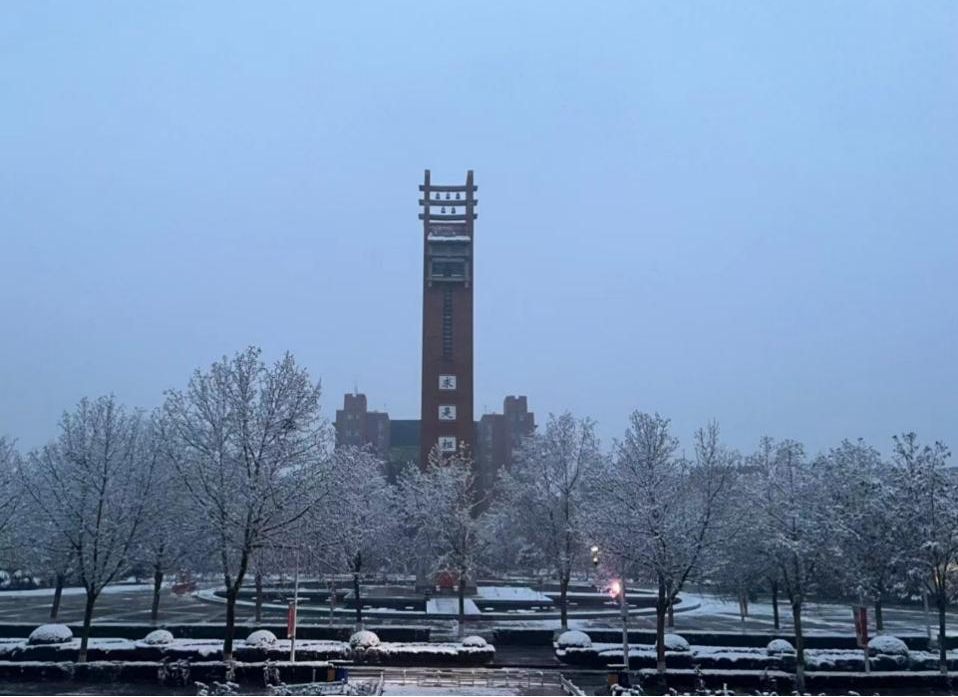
(569, 687)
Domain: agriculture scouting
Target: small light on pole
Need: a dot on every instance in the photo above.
(595, 555)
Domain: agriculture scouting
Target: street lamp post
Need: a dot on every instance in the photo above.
(624, 609)
(294, 611)
(595, 566)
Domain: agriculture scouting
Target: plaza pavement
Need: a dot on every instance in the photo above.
(132, 604)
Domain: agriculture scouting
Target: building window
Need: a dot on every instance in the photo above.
(449, 270)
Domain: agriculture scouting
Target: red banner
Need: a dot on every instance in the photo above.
(861, 624)
(291, 620)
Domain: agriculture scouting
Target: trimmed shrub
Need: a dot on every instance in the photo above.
(674, 642)
(573, 639)
(779, 646)
(474, 641)
(158, 637)
(50, 634)
(363, 639)
(261, 638)
(887, 645)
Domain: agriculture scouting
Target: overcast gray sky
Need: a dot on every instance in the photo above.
(744, 210)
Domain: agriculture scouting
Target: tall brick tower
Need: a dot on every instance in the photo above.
(448, 214)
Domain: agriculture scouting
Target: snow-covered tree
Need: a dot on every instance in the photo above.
(659, 511)
(444, 519)
(93, 484)
(170, 536)
(926, 510)
(870, 540)
(11, 492)
(544, 495)
(798, 522)
(738, 566)
(359, 524)
(38, 547)
(251, 449)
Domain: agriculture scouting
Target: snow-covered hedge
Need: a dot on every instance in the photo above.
(363, 639)
(474, 640)
(574, 639)
(261, 638)
(102, 649)
(432, 653)
(674, 642)
(158, 637)
(50, 634)
(779, 646)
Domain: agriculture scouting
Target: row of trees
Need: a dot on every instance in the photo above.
(236, 473)
(845, 524)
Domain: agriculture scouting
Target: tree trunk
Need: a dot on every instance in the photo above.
(462, 604)
(671, 609)
(775, 617)
(258, 611)
(660, 610)
(563, 609)
(87, 620)
(157, 585)
(359, 602)
(799, 647)
(942, 643)
(879, 621)
(57, 594)
(332, 601)
(231, 592)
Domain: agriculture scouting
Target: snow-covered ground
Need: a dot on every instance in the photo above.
(512, 593)
(41, 592)
(450, 606)
(818, 618)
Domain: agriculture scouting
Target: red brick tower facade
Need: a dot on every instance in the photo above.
(448, 214)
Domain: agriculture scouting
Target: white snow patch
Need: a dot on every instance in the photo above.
(512, 593)
(450, 606)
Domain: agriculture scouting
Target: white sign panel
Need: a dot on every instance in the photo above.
(447, 382)
(447, 412)
(447, 444)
